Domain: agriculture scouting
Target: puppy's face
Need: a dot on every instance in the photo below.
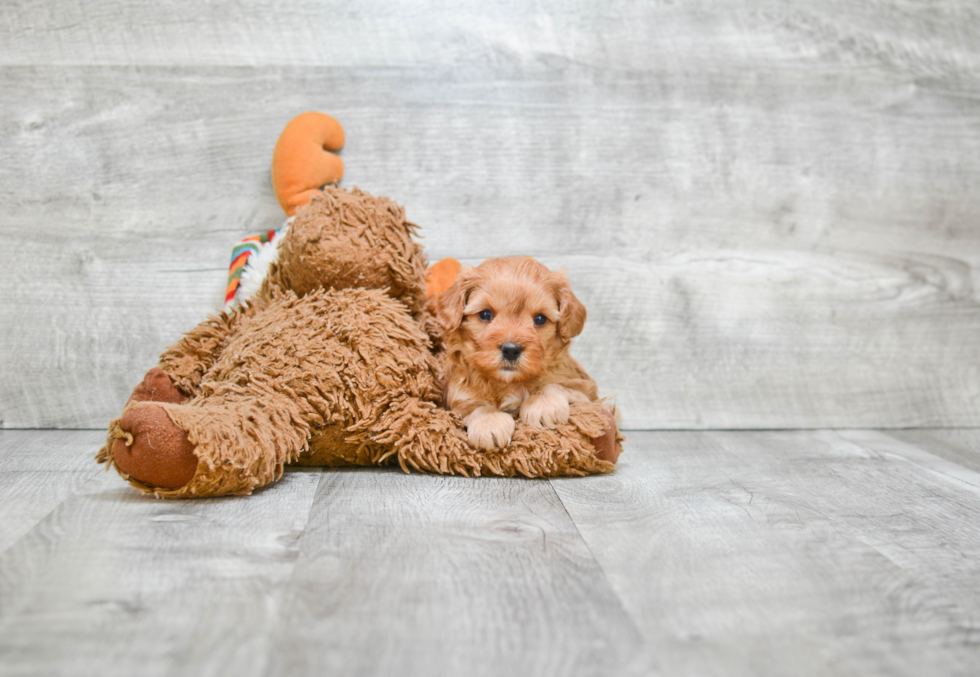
(510, 319)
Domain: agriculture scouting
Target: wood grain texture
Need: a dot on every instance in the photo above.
(789, 553)
(388, 573)
(706, 553)
(957, 445)
(116, 583)
(39, 470)
(410, 575)
(771, 208)
(932, 38)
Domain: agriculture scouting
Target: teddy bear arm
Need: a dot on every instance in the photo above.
(187, 361)
(426, 437)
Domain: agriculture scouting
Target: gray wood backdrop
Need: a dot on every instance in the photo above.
(769, 208)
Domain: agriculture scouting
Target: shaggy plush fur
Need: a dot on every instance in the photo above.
(332, 363)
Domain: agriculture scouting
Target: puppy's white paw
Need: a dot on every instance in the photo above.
(546, 408)
(489, 429)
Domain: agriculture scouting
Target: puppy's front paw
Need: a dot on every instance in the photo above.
(547, 407)
(489, 429)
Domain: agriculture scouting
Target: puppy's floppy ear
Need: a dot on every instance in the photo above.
(572, 313)
(449, 308)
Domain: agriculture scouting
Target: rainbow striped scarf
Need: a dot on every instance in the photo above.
(239, 259)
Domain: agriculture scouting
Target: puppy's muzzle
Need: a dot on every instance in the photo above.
(511, 351)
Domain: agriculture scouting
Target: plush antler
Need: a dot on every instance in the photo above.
(302, 161)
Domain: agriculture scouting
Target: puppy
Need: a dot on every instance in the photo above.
(507, 328)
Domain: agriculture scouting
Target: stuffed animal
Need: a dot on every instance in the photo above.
(334, 360)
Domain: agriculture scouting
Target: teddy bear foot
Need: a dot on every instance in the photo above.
(155, 450)
(156, 386)
(608, 447)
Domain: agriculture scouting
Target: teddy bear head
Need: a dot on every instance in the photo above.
(349, 239)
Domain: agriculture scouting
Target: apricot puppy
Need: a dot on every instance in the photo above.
(508, 325)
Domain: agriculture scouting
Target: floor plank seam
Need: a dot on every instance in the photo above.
(53, 509)
(287, 585)
(595, 560)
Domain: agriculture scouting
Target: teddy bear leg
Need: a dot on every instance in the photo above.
(423, 436)
(210, 446)
(608, 445)
(152, 449)
(156, 386)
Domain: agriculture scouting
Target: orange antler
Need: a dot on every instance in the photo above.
(302, 161)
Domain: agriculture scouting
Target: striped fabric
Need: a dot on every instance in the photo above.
(239, 258)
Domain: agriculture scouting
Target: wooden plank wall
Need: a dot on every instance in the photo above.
(769, 208)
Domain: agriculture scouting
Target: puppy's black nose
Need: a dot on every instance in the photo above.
(511, 351)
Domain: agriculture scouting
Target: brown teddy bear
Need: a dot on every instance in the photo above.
(334, 361)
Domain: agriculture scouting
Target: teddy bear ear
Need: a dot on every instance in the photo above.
(302, 161)
(572, 313)
(450, 304)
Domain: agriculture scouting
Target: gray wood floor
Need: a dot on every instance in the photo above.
(757, 553)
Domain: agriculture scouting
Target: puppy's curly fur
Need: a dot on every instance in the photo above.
(508, 325)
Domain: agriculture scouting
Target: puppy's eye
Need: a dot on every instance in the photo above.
(485, 315)
(539, 320)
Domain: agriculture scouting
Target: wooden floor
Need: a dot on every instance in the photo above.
(756, 553)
